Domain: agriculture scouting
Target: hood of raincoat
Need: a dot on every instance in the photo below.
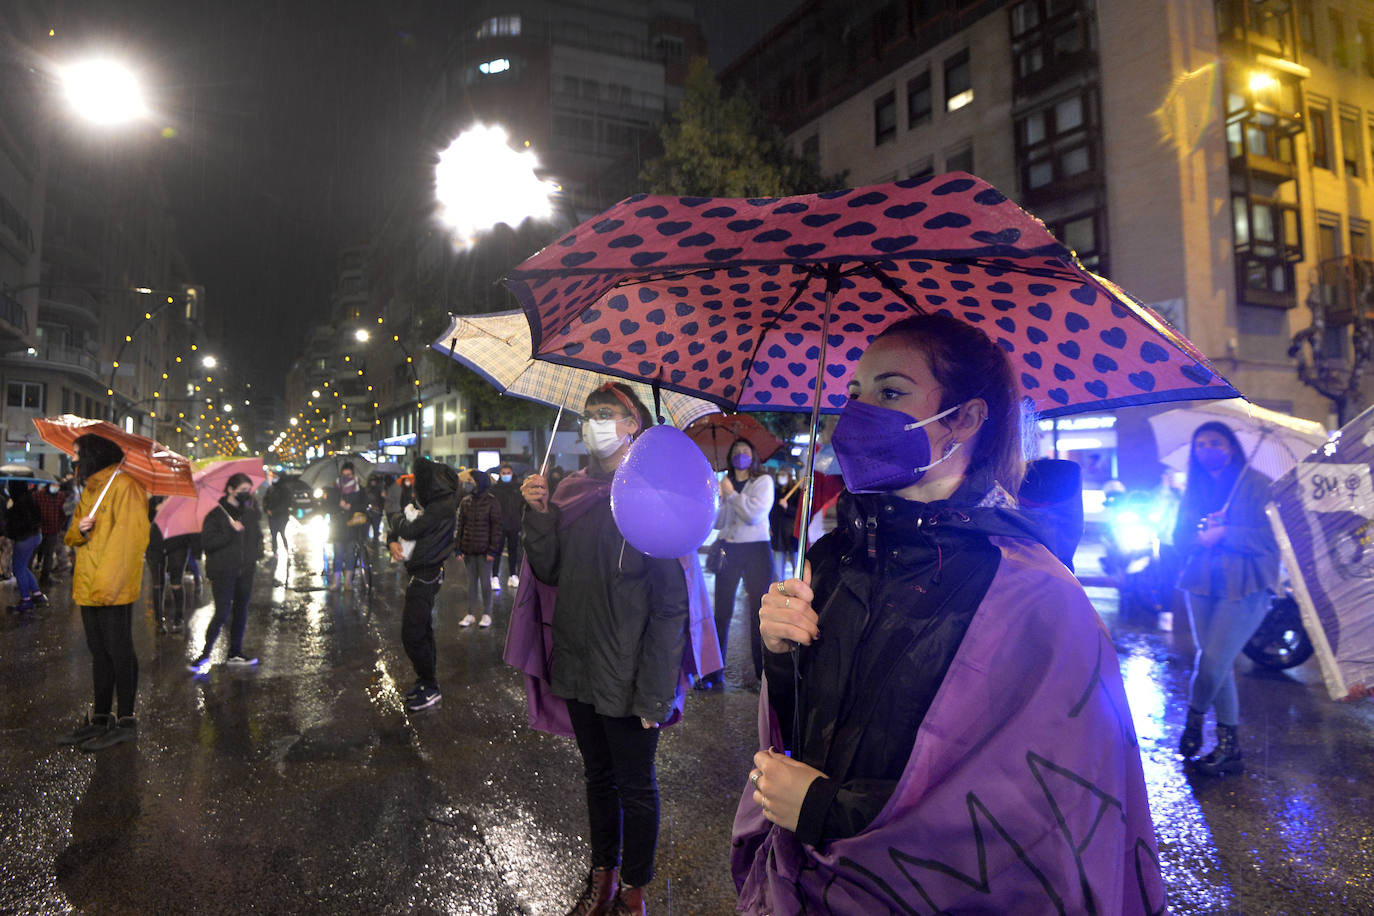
(434, 481)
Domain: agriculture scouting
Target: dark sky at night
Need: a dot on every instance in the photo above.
(290, 117)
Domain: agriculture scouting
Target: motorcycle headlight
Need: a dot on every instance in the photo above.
(1135, 538)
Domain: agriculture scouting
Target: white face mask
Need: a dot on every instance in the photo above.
(602, 438)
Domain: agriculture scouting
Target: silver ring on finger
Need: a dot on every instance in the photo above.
(754, 778)
(787, 602)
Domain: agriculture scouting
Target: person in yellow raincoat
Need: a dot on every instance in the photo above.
(110, 532)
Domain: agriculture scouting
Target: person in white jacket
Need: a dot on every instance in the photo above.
(746, 498)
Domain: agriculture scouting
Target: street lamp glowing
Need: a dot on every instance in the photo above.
(293, 421)
(104, 91)
(315, 393)
(481, 181)
(361, 335)
(209, 362)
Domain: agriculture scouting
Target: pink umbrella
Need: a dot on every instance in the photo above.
(183, 515)
(768, 303)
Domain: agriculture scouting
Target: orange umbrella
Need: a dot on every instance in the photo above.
(716, 432)
(161, 471)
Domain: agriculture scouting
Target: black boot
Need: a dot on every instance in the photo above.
(599, 894)
(1225, 757)
(1191, 739)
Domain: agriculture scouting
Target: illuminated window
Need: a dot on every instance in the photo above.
(499, 65)
(958, 81)
(500, 27)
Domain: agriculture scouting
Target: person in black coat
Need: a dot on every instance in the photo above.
(344, 501)
(231, 536)
(277, 502)
(22, 523)
(507, 493)
(428, 526)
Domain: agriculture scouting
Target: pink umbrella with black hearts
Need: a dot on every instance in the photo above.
(768, 303)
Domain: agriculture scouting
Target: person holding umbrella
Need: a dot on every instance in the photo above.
(746, 499)
(347, 507)
(231, 536)
(1230, 570)
(619, 638)
(109, 532)
(936, 675)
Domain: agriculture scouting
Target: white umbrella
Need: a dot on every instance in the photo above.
(1273, 442)
(497, 347)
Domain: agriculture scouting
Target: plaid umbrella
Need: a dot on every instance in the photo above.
(715, 433)
(497, 347)
(161, 471)
(185, 514)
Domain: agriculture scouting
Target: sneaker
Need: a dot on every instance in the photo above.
(485, 621)
(496, 583)
(126, 729)
(89, 728)
(23, 605)
(39, 599)
(419, 685)
(513, 581)
(240, 661)
(200, 665)
(467, 621)
(423, 698)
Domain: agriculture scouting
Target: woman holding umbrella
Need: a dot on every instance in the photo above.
(109, 531)
(1230, 569)
(619, 641)
(948, 703)
(232, 539)
(746, 499)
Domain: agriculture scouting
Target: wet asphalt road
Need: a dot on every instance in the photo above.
(304, 786)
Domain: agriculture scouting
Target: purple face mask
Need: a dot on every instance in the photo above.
(741, 461)
(1212, 459)
(880, 450)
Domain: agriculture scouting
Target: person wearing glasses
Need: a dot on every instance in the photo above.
(622, 637)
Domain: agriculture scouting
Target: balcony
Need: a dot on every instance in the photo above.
(61, 356)
(14, 320)
(80, 313)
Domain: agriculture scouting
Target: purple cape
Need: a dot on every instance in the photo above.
(529, 639)
(1023, 793)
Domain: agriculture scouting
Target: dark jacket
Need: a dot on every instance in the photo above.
(23, 519)
(897, 584)
(1246, 560)
(436, 491)
(229, 552)
(339, 530)
(620, 627)
(512, 504)
(277, 499)
(479, 519)
(155, 549)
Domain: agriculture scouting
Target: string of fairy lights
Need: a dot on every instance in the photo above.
(329, 413)
(205, 423)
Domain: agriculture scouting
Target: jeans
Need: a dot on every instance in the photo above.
(1221, 628)
(231, 598)
(417, 626)
(110, 637)
(512, 551)
(752, 562)
(622, 788)
(23, 554)
(479, 581)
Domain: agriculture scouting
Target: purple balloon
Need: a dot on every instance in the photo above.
(664, 495)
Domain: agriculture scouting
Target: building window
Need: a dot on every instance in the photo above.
(1366, 37)
(1340, 47)
(1359, 240)
(1024, 17)
(500, 27)
(1350, 145)
(1054, 143)
(1319, 133)
(25, 395)
(960, 160)
(958, 81)
(918, 104)
(1082, 235)
(885, 118)
(1307, 28)
(923, 169)
(671, 48)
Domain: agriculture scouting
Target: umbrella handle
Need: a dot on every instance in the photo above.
(101, 498)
